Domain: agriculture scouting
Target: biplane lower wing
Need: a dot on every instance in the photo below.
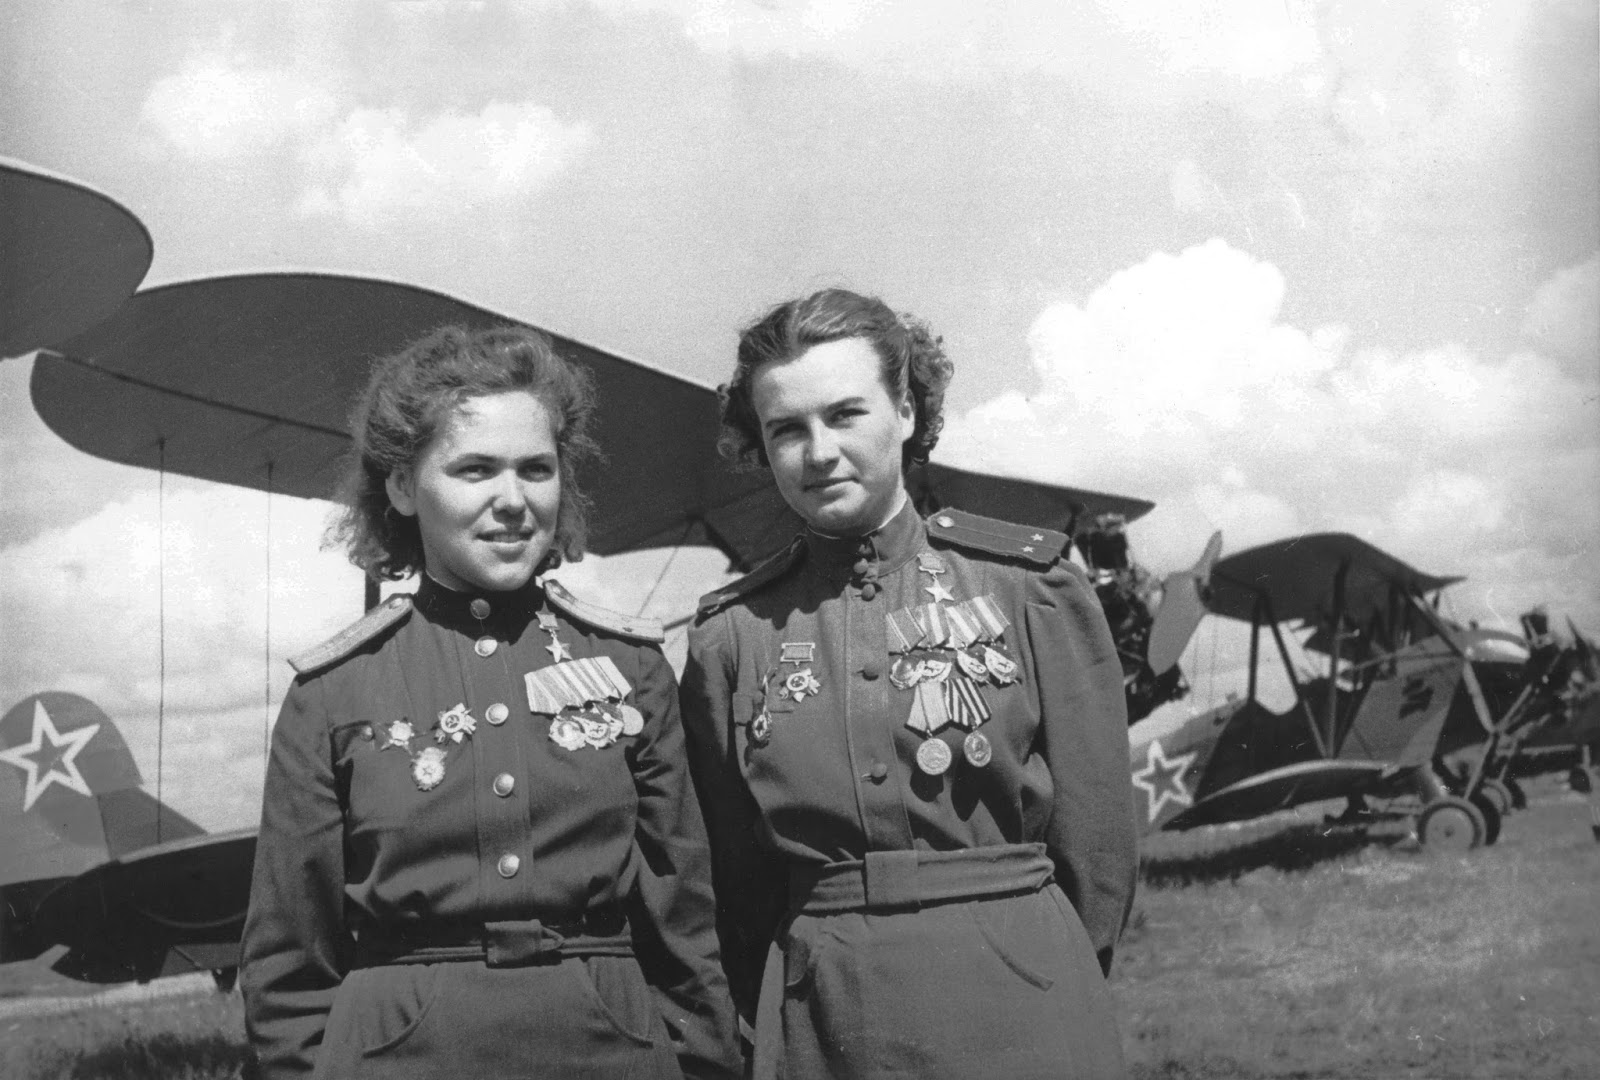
(1286, 787)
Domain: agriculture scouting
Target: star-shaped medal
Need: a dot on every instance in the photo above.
(558, 650)
(938, 591)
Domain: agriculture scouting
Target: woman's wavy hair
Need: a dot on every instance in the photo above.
(408, 399)
(912, 360)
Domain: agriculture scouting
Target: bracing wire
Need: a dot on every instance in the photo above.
(660, 577)
(266, 636)
(161, 620)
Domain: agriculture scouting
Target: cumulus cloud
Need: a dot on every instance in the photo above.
(218, 108)
(84, 613)
(1177, 381)
(1564, 315)
(378, 164)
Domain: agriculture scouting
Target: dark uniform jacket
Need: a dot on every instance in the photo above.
(793, 783)
(366, 847)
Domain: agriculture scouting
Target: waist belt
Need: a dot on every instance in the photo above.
(498, 944)
(907, 880)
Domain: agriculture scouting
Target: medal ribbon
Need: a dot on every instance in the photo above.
(964, 702)
(574, 683)
(953, 626)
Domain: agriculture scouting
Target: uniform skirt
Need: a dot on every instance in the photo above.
(964, 988)
(583, 1016)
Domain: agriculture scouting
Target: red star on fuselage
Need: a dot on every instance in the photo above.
(44, 759)
(1161, 778)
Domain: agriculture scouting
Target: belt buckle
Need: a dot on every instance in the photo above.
(517, 944)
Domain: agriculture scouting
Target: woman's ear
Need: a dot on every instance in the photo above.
(907, 413)
(402, 492)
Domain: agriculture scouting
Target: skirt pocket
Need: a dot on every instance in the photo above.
(397, 1008)
(997, 923)
(616, 987)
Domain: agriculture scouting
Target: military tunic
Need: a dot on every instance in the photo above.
(499, 897)
(878, 917)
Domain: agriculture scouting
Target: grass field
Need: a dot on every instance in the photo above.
(1279, 950)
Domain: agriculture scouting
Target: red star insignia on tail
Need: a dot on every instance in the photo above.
(1161, 778)
(44, 765)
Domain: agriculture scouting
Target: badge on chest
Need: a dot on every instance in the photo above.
(584, 700)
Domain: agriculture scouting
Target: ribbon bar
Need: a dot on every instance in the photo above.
(575, 683)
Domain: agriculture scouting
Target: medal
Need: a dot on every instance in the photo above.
(567, 733)
(964, 703)
(800, 685)
(977, 750)
(557, 648)
(427, 768)
(973, 667)
(928, 715)
(632, 720)
(1001, 669)
(398, 733)
(761, 728)
(934, 757)
(454, 725)
(798, 653)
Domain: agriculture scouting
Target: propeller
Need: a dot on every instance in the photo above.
(1183, 605)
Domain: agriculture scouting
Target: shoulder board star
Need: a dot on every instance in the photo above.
(392, 612)
(43, 764)
(635, 627)
(764, 574)
(1041, 547)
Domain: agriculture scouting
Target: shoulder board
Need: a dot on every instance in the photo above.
(771, 569)
(636, 627)
(1042, 547)
(390, 613)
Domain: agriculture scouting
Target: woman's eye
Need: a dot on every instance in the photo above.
(541, 471)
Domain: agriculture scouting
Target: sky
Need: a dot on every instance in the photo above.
(1276, 266)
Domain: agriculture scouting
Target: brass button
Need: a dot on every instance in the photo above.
(944, 521)
(869, 590)
(880, 771)
(503, 786)
(397, 601)
(485, 646)
(496, 714)
(508, 865)
(871, 671)
(479, 608)
(861, 567)
(366, 732)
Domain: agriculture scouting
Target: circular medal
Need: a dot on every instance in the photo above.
(632, 720)
(933, 756)
(977, 749)
(761, 728)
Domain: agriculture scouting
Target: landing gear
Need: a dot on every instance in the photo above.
(1499, 795)
(1451, 825)
(1491, 816)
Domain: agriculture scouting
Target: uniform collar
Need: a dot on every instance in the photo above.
(883, 551)
(474, 610)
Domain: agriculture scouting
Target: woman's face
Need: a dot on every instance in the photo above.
(486, 492)
(833, 435)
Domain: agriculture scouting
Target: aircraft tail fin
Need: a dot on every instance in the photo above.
(1183, 605)
(70, 795)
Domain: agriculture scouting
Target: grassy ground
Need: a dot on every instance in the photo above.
(1280, 950)
(1304, 953)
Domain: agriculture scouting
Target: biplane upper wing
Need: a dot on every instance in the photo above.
(247, 379)
(1299, 575)
(69, 257)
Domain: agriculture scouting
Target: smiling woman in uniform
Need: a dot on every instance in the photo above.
(479, 851)
(909, 738)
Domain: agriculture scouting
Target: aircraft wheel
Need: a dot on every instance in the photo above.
(1491, 817)
(1451, 826)
(1498, 794)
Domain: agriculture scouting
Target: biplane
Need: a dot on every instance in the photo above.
(1398, 690)
(245, 380)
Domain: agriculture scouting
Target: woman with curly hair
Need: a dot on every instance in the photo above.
(908, 738)
(479, 851)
